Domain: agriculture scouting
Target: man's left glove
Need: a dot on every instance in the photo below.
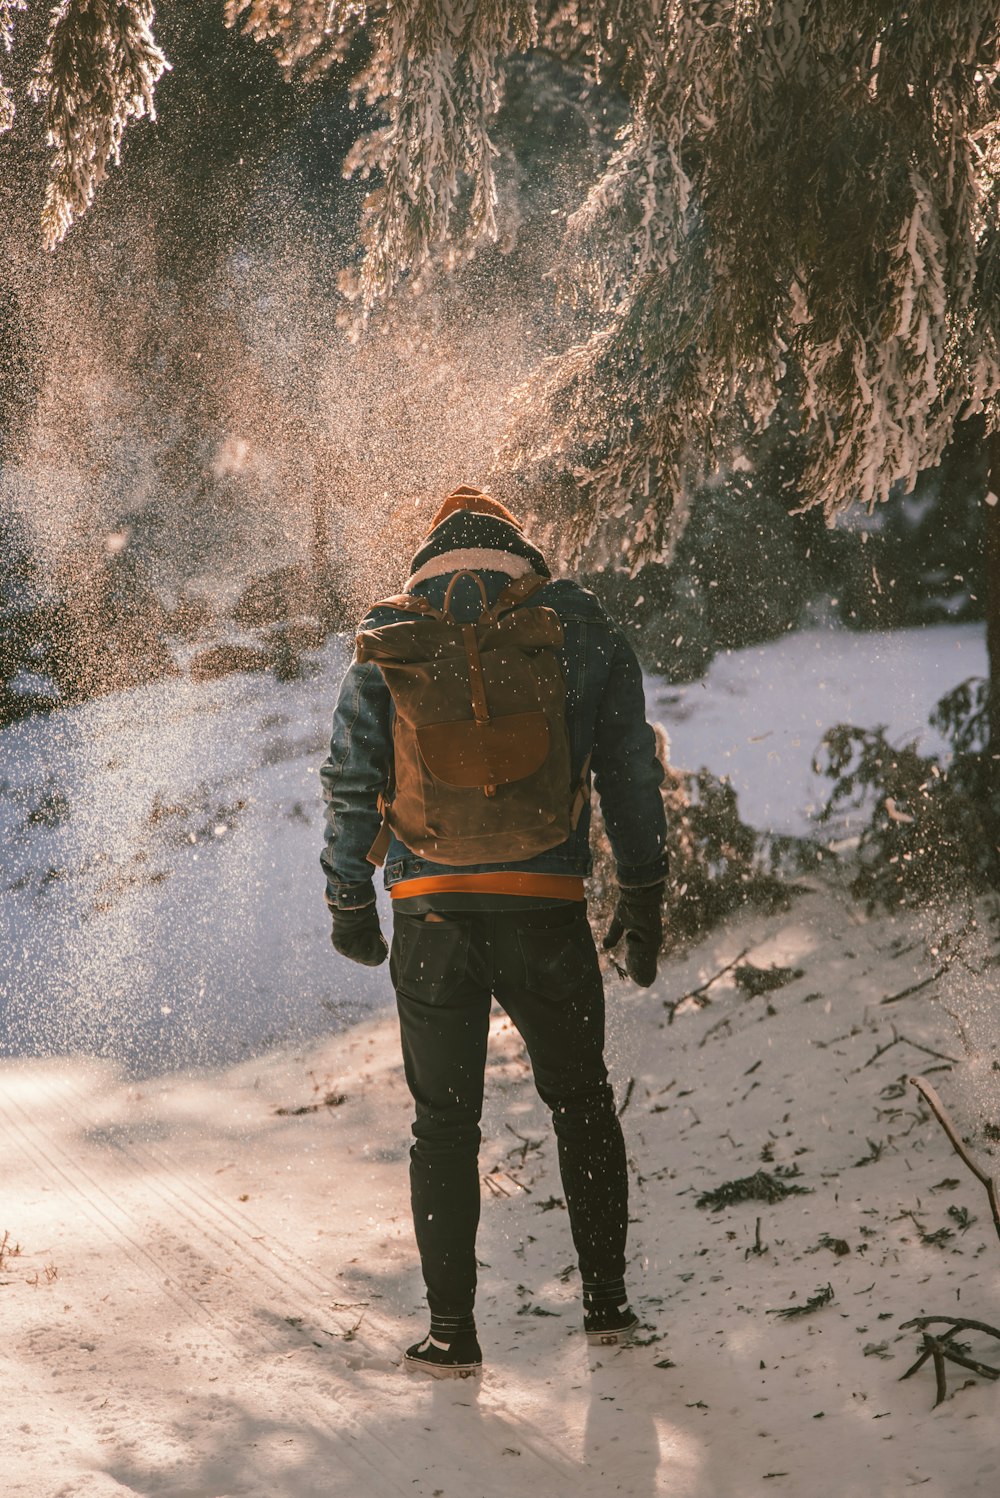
(356, 934)
(637, 917)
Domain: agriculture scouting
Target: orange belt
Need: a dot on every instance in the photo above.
(548, 886)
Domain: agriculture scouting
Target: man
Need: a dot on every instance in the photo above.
(468, 926)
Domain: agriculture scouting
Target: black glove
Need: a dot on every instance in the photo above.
(637, 917)
(356, 934)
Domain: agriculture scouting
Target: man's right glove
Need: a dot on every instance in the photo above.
(356, 934)
(637, 917)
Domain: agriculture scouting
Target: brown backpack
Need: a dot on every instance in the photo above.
(481, 748)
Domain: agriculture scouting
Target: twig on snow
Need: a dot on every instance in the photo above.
(915, 988)
(698, 994)
(905, 1040)
(942, 1349)
(936, 1106)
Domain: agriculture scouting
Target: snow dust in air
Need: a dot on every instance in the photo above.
(187, 443)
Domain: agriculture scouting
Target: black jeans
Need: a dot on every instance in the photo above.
(541, 965)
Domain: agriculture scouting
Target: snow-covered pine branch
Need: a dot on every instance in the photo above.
(437, 74)
(791, 201)
(804, 200)
(307, 37)
(97, 72)
(7, 10)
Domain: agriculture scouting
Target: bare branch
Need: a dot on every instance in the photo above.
(936, 1106)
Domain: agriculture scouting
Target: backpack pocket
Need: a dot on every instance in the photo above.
(495, 752)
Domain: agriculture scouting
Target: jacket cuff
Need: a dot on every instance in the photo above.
(350, 896)
(643, 875)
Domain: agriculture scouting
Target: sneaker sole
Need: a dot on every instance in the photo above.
(619, 1338)
(443, 1370)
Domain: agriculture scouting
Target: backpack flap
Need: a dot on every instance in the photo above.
(496, 752)
(481, 764)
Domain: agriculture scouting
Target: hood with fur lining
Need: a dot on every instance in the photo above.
(481, 543)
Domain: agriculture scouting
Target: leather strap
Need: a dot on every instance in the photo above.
(477, 683)
(409, 603)
(466, 572)
(380, 847)
(582, 795)
(513, 594)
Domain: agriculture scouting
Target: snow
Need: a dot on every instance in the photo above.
(33, 684)
(162, 900)
(760, 713)
(209, 1296)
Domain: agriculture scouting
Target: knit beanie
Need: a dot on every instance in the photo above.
(467, 498)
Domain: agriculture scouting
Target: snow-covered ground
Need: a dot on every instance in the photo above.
(161, 894)
(210, 1273)
(211, 1289)
(759, 714)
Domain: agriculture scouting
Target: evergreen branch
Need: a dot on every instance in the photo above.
(97, 73)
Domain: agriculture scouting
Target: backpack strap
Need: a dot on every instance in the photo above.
(377, 852)
(514, 593)
(465, 572)
(582, 793)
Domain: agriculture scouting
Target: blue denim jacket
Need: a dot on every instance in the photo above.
(606, 716)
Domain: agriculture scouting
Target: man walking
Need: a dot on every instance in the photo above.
(481, 702)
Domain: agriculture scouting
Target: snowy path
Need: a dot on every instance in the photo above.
(231, 1296)
(211, 1296)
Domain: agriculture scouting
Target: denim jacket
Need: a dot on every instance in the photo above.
(606, 717)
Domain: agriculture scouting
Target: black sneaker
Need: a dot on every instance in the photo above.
(610, 1326)
(608, 1319)
(446, 1355)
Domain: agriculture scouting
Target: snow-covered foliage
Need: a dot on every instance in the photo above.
(7, 10)
(802, 207)
(928, 821)
(307, 37)
(97, 72)
(804, 198)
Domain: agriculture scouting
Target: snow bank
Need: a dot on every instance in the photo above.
(759, 714)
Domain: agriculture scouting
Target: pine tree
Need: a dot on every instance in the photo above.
(802, 211)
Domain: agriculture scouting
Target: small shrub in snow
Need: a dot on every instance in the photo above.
(717, 862)
(930, 824)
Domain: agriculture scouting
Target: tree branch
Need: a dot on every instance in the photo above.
(936, 1106)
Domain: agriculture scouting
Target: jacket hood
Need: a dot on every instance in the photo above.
(481, 543)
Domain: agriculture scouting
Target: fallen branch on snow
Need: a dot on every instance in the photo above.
(943, 1349)
(698, 994)
(936, 1106)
